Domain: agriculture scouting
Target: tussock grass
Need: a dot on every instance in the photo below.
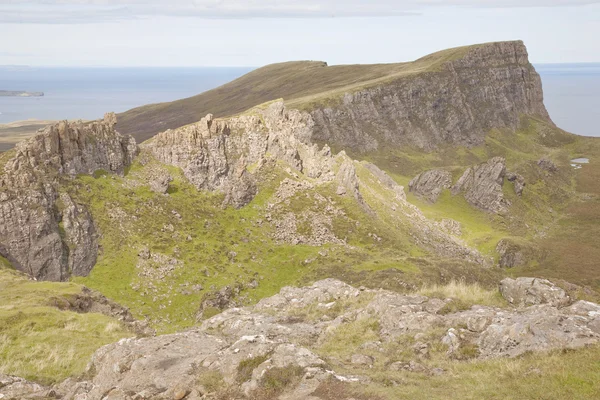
(467, 293)
(42, 343)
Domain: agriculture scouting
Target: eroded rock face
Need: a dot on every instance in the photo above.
(217, 154)
(482, 186)
(273, 334)
(490, 86)
(429, 184)
(44, 232)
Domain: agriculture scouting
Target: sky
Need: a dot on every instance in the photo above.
(258, 32)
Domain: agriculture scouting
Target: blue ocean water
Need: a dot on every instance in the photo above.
(572, 96)
(572, 91)
(87, 93)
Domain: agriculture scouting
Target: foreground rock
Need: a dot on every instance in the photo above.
(533, 291)
(43, 232)
(285, 332)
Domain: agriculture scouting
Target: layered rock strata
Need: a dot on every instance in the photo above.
(43, 231)
(457, 102)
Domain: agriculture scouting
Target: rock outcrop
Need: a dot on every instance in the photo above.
(533, 291)
(241, 345)
(458, 102)
(217, 154)
(482, 186)
(429, 184)
(43, 231)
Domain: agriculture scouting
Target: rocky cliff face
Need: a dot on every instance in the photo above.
(43, 232)
(490, 86)
(215, 155)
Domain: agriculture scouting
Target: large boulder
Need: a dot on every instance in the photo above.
(531, 291)
(482, 186)
(429, 184)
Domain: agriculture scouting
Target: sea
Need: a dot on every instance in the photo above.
(571, 91)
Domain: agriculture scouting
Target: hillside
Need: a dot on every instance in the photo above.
(395, 233)
(299, 83)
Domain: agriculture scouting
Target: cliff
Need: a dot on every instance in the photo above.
(489, 86)
(451, 97)
(43, 232)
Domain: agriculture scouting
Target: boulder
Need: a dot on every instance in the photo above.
(482, 186)
(531, 291)
(429, 184)
(160, 183)
(511, 254)
(547, 165)
(518, 182)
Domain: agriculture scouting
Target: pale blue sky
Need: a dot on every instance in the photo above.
(254, 33)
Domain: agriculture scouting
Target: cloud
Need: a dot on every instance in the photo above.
(93, 11)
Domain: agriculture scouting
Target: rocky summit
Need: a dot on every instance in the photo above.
(393, 231)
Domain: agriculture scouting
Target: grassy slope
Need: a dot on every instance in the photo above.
(557, 216)
(131, 217)
(33, 333)
(297, 82)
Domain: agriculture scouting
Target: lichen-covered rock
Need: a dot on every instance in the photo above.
(533, 291)
(243, 344)
(489, 86)
(15, 388)
(482, 186)
(44, 232)
(511, 254)
(160, 183)
(429, 184)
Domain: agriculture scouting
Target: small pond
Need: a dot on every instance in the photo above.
(580, 161)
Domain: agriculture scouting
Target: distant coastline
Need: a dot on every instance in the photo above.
(19, 93)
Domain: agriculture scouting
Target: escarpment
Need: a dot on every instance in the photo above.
(215, 154)
(43, 231)
(457, 102)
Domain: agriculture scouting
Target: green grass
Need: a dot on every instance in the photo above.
(33, 333)
(568, 375)
(130, 217)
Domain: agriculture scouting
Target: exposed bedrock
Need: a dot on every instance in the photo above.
(278, 333)
(458, 102)
(216, 154)
(482, 186)
(43, 231)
